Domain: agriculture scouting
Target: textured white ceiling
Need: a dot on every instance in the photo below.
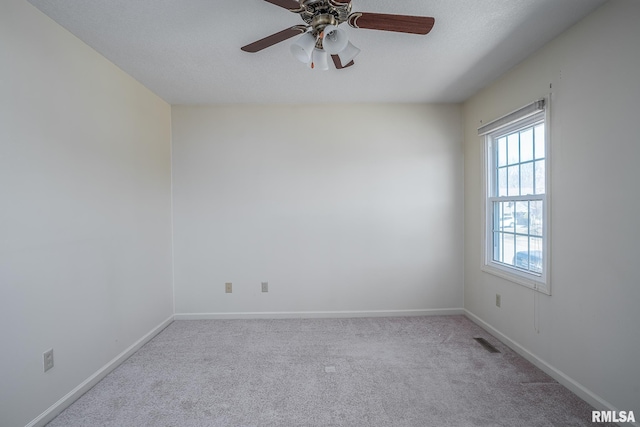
(188, 51)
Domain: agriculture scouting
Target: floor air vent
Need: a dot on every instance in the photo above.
(487, 345)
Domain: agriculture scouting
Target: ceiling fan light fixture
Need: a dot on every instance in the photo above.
(335, 40)
(319, 60)
(348, 53)
(320, 37)
(303, 48)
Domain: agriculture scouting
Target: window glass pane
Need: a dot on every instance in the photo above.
(526, 145)
(503, 217)
(539, 177)
(504, 248)
(525, 259)
(513, 151)
(521, 257)
(502, 151)
(502, 182)
(509, 220)
(522, 217)
(497, 246)
(535, 254)
(535, 244)
(514, 180)
(496, 215)
(535, 217)
(526, 178)
(539, 141)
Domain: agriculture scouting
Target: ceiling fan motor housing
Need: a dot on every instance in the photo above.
(320, 13)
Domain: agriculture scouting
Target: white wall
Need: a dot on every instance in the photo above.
(85, 216)
(589, 327)
(340, 208)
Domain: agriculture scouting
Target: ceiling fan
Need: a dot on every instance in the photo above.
(321, 37)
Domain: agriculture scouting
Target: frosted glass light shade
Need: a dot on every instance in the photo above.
(303, 47)
(335, 39)
(319, 60)
(348, 53)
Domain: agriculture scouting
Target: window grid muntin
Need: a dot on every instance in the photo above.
(537, 128)
(499, 233)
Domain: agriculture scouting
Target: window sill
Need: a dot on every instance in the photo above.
(527, 280)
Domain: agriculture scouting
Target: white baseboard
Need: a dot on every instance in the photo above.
(318, 314)
(55, 409)
(585, 394)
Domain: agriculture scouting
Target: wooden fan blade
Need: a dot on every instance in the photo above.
(274, 38)
(291, 5)
(338, 63)
(387, 22)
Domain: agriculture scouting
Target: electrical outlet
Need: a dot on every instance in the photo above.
(498, 300)
(265, 286)
(47, 360)
(228, 287)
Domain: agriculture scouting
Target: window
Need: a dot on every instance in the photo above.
(516, 205)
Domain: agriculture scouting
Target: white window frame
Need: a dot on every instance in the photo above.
(536, 112)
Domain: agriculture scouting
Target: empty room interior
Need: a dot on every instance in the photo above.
(323, 246)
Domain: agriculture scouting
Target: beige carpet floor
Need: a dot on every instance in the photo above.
(369, 372)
